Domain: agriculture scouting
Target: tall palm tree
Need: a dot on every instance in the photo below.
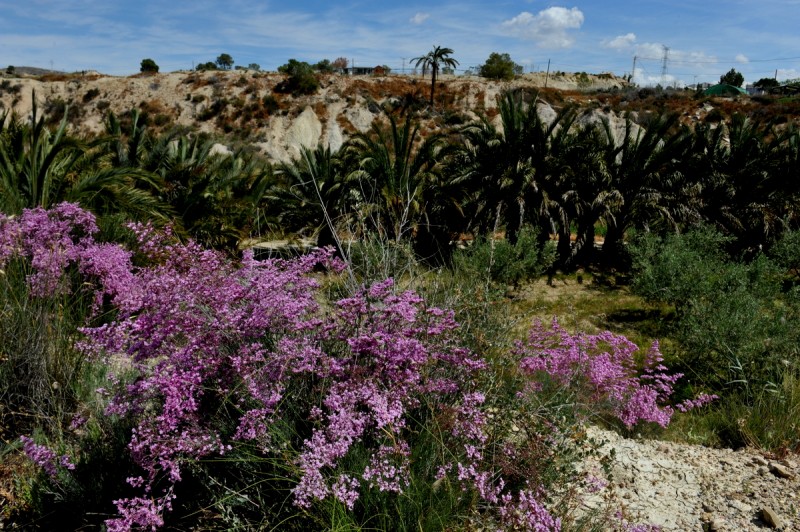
(510, 174)
(433, 60)
(581, 189)
(744, 177)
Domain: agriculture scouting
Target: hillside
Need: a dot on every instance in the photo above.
(246, 107)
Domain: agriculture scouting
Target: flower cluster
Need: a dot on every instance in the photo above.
(45, 457)
(388, 468)
(51, 240)
(527, 513)
(198, 330)
(194, 334)
(603, 367)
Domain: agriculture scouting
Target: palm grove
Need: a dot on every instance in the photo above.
(567, 176)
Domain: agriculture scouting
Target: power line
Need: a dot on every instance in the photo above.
(717, 61)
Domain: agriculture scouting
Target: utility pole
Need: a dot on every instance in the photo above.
(547, 75)
(664, 67)
(404, 64)
(633, 70)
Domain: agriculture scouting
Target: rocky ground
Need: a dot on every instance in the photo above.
(689, 487)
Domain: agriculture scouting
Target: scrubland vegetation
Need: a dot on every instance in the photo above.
(154, 374)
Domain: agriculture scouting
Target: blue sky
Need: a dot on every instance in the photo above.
(706, 38)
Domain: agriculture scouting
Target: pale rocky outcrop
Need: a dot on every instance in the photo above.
(304, 132)
(342, 105)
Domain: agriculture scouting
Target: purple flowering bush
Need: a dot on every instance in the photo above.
(601, 370)
(42, 302)
(201, 335)
(240, 381)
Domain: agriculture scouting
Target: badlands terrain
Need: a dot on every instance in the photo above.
(246, 108)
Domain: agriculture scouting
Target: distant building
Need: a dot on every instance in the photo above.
(752, 90)
(361, 71)
(701, 86)
(788, 89)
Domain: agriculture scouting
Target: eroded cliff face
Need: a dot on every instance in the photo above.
(245, 107)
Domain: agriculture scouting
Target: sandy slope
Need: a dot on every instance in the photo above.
(342, 106)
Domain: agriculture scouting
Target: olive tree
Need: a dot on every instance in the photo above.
(732, 77)
(148, 65)
(500, 66)
(225, 61)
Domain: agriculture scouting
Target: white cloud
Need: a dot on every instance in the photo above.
(650, 50)
(683, 67)
(741, 58)
(549, 28)
(621, 42)
(788, 73)
(419, 18)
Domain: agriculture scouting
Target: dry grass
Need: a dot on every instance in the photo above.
(585, 302)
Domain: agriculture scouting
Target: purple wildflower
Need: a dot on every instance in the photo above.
(45, 457)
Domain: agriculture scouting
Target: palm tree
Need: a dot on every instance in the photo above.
(32, 161)
(434, 59)
(127, 148)
(40, 167)
(210, 192)
(640, 167)
(394, 169)
(510, 174)
(743, 180)
(580, 188)
(311, 193)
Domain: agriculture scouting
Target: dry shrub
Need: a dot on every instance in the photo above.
(346, 125)
(55, 77)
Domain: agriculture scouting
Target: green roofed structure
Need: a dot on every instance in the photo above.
(723, 89)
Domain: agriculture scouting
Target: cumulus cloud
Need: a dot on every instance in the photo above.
(549, 28)
(419, 18)
(621, 42)
(741, 58)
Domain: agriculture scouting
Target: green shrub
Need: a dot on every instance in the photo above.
(90, 95)
(786, 254)
(679, 269)
(270, 103)
(300, 78)
(736, 324)
(148, 66)
(501, 262)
